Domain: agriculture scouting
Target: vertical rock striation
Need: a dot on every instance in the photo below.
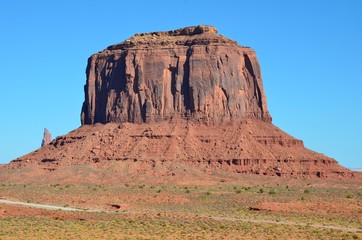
(190, 73)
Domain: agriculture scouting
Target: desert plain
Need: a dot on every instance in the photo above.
(252, 207)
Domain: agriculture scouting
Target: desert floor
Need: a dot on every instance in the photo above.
(249, 208)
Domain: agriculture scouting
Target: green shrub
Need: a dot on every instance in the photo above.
(272, 192)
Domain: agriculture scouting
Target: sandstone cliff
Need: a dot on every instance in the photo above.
(184, 103)
(191, 72)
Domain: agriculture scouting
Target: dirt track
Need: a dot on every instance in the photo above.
(289, 223)
(45, 206)
(52, 207)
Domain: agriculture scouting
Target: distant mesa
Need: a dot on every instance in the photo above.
(181, 104)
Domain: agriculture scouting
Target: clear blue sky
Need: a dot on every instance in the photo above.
(310, 53)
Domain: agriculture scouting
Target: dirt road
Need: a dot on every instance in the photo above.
(345, 229)
(45, 206)
(52, 207)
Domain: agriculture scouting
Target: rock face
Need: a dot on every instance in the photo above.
(190, 73)
(180, 104)
(47, 138)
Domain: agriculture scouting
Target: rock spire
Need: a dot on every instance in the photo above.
(47, 137)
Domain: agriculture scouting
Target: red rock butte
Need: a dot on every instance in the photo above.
(187, 103)
(191, 72)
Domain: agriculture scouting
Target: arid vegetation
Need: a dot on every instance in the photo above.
(256, 208)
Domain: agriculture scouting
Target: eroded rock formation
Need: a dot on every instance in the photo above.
(191, 72)
(47, 137)
(181, 104)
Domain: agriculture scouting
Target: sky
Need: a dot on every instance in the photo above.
(310, 54)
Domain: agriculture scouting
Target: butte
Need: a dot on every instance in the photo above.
(186, 104)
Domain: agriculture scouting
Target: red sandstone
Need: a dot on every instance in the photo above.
(185, 99)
